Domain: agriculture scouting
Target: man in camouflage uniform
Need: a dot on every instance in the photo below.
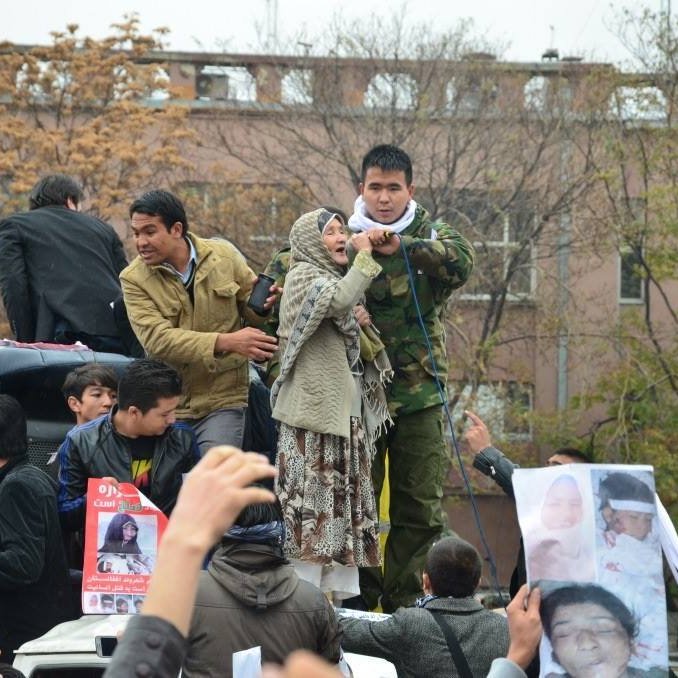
(441, 260)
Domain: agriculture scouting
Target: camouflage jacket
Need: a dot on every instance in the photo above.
(441, 260)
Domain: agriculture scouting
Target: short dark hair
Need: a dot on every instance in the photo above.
(107, 597)
(387, 158)
(13, 436)
(574, 594)
(55, 189)
(260, 514)
(161, 204)
(144, 381)
(453, 567)
(575, 453)
(91, 374)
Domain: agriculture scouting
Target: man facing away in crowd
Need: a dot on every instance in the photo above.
(59, 269)
(251, 596)
(138, 441)
(416, 639)
(440, 260)
(34, 585)
(186, 298)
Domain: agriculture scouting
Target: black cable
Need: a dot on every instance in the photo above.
(443, 399)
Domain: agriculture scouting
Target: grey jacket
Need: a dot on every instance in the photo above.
(251, 596)
(412, 640)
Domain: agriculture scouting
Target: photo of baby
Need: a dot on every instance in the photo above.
(628, 553)
(628, 542)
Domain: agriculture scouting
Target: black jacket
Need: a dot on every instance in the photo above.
(95, 450)
(34, 585)
(58, 264)
(493, 463)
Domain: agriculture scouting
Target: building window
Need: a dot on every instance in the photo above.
(644, 104)
(501, 236)
(391, 91)
(631, 280)
(504, 406)
(297, 87)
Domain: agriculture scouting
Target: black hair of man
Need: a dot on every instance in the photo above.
(387, 158)
(573, 452)
(13, 435)
(55, 189)
(91, 374)
(107, 598)
(161, 204)
(624, 487)
(453, 567)
(144, 381)
(576, 594)
(260, 514)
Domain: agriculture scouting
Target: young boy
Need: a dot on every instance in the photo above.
(90, 391)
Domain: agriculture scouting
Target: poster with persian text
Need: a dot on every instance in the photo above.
(122, 531)
(592, 545)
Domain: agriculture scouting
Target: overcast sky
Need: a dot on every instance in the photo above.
(581, 27)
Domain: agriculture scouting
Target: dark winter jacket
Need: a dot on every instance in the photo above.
(58, 265)
(493, 463)
(251, 596)
(95, 450)
(34, 585)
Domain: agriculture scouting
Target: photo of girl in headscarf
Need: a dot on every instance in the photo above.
(121, 535)
(559, 549)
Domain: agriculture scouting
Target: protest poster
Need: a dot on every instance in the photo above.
(122, 532)
(591, 536)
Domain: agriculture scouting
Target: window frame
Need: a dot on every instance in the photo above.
(621, 299)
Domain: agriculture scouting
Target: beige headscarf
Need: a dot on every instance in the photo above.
(309, 290)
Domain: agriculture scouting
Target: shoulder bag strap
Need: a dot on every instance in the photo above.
(463, 669)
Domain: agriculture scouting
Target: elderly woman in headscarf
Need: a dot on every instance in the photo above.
(331, 405)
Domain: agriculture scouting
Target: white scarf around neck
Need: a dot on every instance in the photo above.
(360, 221)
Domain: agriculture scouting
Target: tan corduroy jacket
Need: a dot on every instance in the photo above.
(183, 334)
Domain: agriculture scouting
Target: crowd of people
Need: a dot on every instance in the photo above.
(354, 327)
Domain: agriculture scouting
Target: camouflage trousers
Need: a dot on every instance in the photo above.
(418, 459)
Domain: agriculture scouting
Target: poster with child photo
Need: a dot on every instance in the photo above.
(592, 546)
(122, 532)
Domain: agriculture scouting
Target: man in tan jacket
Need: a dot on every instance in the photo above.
(186, 298)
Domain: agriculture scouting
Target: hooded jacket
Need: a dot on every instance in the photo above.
(249, 596)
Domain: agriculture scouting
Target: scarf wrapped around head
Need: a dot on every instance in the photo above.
(309, 292)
